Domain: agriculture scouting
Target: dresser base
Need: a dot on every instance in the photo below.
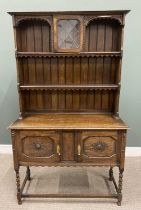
(69, 140)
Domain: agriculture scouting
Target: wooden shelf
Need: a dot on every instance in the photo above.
(69, 87)
(81, 54)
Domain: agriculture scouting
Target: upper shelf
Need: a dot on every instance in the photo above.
(70, 87)
(80, 54)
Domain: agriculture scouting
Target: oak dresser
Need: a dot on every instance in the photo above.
(69, 73)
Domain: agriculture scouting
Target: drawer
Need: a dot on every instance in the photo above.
(39, 146)
(100, 147)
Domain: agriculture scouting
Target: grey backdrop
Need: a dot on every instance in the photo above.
(130, 100)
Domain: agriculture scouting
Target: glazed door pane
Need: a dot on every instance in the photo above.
(68, 33)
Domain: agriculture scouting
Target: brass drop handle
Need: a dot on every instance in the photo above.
(79, 149)
(58, 150)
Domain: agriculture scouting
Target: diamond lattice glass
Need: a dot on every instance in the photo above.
(68, 34)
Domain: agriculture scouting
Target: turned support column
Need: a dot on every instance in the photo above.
(18, 186)
(110, 173)
(120, 187)
(28, 173)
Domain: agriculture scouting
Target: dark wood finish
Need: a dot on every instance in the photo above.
(69, 77)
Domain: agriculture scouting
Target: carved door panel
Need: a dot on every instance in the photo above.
(99, 147)
(39, 146)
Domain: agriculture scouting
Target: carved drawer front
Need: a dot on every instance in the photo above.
(99, 147)
(39, 146)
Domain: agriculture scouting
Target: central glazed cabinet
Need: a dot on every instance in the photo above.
(69, 72)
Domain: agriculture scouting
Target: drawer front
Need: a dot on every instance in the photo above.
(39, 146)
(100, 147)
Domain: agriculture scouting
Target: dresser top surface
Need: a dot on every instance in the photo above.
(69, 121)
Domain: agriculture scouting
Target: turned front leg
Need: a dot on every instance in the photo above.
(28, 173)
(18, 186)
(110, 173)
(120, 187)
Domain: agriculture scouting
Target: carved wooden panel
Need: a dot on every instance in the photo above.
(115, 18)
(19, 19)
(39, 145)
(99, 146)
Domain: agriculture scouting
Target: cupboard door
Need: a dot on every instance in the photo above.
(99, 147)
(39, 146)
(68, 33)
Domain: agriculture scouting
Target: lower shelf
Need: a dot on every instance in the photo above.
(71, 195)
(70, 183)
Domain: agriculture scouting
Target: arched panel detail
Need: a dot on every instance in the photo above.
(21, 20)
(88, 20)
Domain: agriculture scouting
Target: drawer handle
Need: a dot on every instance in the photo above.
(79, 149)
(58, 150)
